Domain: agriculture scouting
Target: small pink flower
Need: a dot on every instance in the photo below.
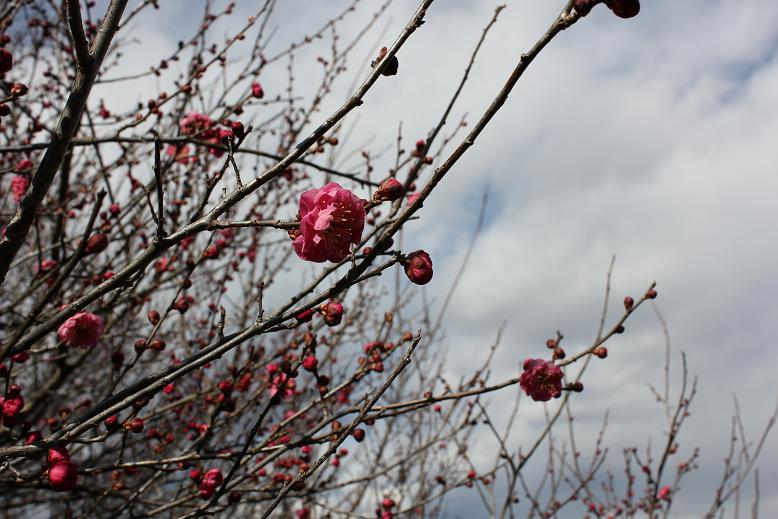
(83, 329)
(413, 197)
(19, 185)
(418, 267)
(541, 380)
(63, 476)
(331, 219)
(12, 405)
(665, 493)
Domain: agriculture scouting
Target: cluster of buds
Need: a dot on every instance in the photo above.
(207, 483)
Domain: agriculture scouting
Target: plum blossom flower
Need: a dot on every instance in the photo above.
(83, 329)
(331, 219)
(541, 380)
(19, 185)
(11, 405)
(197, 124)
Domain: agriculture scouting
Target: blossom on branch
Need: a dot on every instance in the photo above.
(418, 267)
(541, 380)
(331, 219)
(83, 329)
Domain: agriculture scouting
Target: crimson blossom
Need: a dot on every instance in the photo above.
(541, 380)
(83, 329)
(211, 481)
(331, 219)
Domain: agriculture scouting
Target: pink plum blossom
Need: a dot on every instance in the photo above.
(83, 329)
(19, 184)
(331, 219)
(541, 380)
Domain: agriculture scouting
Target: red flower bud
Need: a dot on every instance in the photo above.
(304, 316)
(583, 7)
(6, 61)
(63, 476)
(629, 303)
(95, 244)
(388, 67)
(135, 425)
(181, 304)
(358, 434)
(332, 312)
(256, 90)
(57, 454)
(390, 190)
(140, 346)
(418, 267)
(157, 345)
(226, 386)
(624, 8)
(310, 363)
(111, 423)
(19, 89)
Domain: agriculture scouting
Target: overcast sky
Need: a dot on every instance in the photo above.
(653, 139)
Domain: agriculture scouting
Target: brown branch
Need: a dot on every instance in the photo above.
(80, 43)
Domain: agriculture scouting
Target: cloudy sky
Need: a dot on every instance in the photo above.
(653, 139)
